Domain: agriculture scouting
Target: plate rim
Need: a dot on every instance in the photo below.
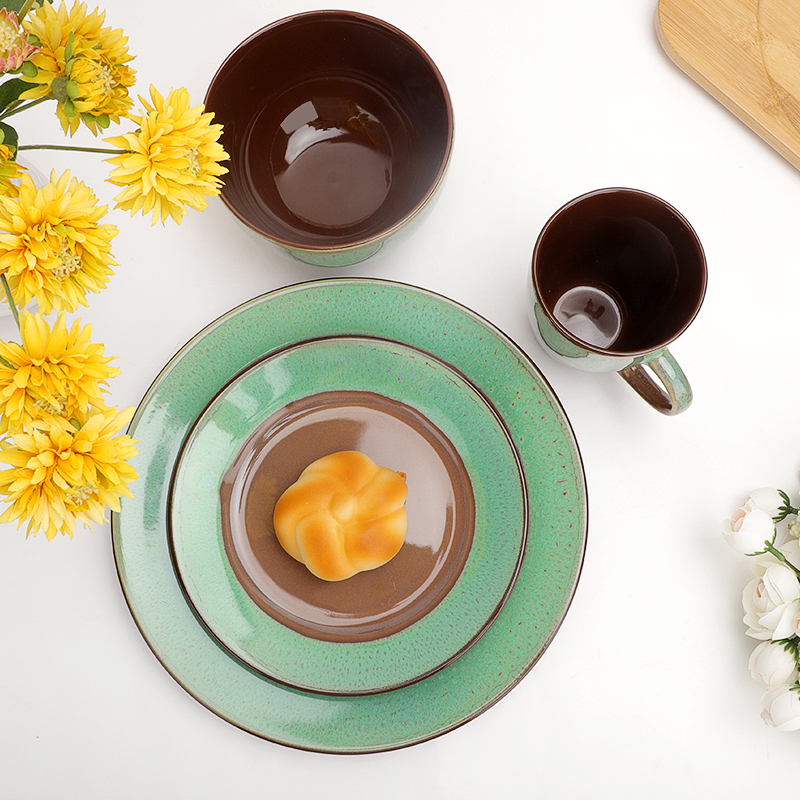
(281, 735)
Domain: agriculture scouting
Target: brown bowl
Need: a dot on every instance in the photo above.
(339, 128)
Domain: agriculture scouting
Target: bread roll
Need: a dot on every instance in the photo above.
(343, 515)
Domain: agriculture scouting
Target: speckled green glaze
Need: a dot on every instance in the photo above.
(399, 373)
(345, 257)
(553, 552)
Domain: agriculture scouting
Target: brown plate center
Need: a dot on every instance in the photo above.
(372, 604)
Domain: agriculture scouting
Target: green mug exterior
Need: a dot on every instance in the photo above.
(672, 397)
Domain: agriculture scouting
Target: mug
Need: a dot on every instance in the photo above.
(618, 274)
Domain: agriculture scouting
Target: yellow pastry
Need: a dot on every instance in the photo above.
(343, 515)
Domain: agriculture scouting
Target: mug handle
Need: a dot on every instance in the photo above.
(676, 394)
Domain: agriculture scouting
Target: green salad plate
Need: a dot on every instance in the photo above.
(497, 516)
(466, 505)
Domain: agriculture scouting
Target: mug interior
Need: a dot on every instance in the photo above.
(338, 125)
(619, 271)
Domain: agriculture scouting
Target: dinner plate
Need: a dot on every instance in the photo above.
(386, 627)
(556, 506)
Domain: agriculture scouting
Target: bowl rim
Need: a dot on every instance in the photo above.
(372, 239)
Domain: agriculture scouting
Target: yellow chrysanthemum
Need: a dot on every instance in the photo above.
(53, 247)
(80, 63)
(66, 472)
(10, 171)
(53, 372)
(171, 162)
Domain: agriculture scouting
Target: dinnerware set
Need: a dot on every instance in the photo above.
(340, 130)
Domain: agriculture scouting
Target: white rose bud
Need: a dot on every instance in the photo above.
(782, 708)
(748, 529)
(772, 664)
(768, 599)
(769, 500)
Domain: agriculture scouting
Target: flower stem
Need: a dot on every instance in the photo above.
(770, 548)
(10, 298)
(25, 9)
(17, 107)
(108, 150)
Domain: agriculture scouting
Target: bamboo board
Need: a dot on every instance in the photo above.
(746, 54)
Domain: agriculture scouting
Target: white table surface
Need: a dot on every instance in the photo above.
(645, 690)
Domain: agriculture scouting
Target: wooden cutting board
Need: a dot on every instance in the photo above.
(746, 53)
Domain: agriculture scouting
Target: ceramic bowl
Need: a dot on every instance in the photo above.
(339, 129)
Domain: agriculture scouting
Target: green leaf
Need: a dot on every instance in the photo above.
(101, 120)
(72, 89)
(59, 89)
(11, 90)
(14, 5)
(10, 137)
(69, 108)
(69, 47)
(29, 69)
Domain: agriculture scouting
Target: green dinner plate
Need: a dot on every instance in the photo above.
(335, 368)
(549, 463)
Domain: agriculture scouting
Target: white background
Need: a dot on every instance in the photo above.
(645, 690)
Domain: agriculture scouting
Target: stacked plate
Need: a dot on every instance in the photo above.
(496, 510)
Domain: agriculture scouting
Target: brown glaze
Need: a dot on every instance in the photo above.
(330, 160)
(338, 126)
(635, 249)
(370, 605)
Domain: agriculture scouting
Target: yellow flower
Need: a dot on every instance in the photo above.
(10, 171)
(53, 248)
(66, 472)
(80, 63)
(172, 160)
(53, 372)
(14, 45)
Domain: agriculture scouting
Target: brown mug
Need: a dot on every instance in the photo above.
(618, 274)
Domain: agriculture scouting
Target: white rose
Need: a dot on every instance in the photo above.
(772, 664)
(788, 622)
(770, 500)
(768, 599)
(748, 529)
(782, 708)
